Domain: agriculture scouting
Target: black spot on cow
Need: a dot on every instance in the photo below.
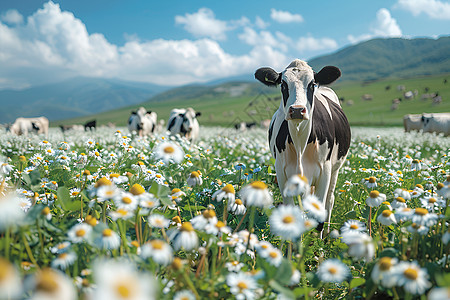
(271, 130)
(285, 92)
(91, 125)
(324, 129)
(172, 123)
(283, 137)
(35, 126)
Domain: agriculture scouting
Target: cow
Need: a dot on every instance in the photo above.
(436, 122)
(65, 128)
(309, 133)
(183, 121)
(243, 126)
(142, 122)
(412, 122)
(91, 125)
(23, 126)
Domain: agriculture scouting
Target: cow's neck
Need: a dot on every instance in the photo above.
(300, 133)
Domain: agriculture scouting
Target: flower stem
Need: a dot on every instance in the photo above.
(240, 222)
(27, 247)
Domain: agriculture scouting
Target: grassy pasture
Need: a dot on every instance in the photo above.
(224, 110)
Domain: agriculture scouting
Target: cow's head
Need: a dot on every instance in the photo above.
(189, 118)
(298, 82)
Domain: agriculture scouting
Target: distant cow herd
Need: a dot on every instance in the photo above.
(428, 122)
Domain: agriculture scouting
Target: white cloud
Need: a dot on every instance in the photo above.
(12, 16)
(260, 23)
(311, 44)
(263, 38)
(203, 24)
(54, 45)
(285, 16)
(384, 26)
(433, 8)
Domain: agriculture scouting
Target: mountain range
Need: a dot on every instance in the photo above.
(367, 61)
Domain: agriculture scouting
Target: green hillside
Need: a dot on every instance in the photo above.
(220, 107)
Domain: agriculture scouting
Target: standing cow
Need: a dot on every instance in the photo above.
(183, 121)
(309, 133)
(23, 126)
(142, 121)
(437, 123)
(412, 122)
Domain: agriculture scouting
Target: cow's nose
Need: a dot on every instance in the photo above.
(297, 112)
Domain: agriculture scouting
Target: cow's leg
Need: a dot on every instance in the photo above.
(322, 187)
(281, 176)
(291, 167)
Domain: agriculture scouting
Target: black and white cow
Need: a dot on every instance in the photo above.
(142, 122)
(23, 126)
(309, 133)
(183, 121)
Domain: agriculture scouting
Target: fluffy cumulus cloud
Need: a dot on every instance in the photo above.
(432, 8)
(53, 45)
(11, 16)
(285, 16)
(203, 24)
(383, 26)
(315, 44)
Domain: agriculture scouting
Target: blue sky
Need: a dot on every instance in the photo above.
(181, 42)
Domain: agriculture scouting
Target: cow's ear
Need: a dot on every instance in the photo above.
(149, 112)
(327, 75)
(198, 114)
(268, 76)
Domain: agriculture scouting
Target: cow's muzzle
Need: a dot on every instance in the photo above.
(297, 112)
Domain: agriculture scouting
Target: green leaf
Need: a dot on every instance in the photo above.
(351, 215)
(66, 202)
(356, 282)
(161, 192)
(284, 272)
(281, 289)
(389, 252)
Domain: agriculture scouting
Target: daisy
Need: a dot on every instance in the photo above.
(109, 239)
(383, 270)
(360, 245)
(398, 192)
(314, 208)
(411, 277)
(121, 214)
(10, 282)
(148, 201)
(333, 270)
(237, 207)
(242, 286)
(403, 213)
(234, 266)
(5, 168)
(417, 228)
(296, 185)
(286, 221)
(386, 218)
(184, 295)
(256, 194)
(119, 280)
(263, 248)
(64, 260)
(416, 165)
(439, 293)
(207, 217)
(432, 203)
(227, 193)
(398, 202)
(169, 152)
(137, 189)
(443, 190)
(106, 192)
(353, 225)
(371, 182)
(176, 195)
(446, 236)
(74, 192)
(79, 233)
(158, 221)
(159, 251)
(50, 284)
(195, 178)
(421, 216)
(184, 237)
(375, 198)
(217, 229)
(274, 257)
(125, 200)
(61, 247)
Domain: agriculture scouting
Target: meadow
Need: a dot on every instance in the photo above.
(107, 215)
(222, 109)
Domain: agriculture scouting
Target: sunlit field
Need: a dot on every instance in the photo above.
(105, 215)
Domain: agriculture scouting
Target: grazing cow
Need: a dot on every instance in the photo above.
(309, 133)
(243, 126)
(23, 126)
(183, 121)
(143, 122)
(91, 125)
(412, 122)
(65, 128)
(436, 122)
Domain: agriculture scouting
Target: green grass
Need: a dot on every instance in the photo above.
(226, 110)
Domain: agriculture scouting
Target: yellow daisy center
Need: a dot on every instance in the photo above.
(126, 200)
(209, 213)
(242, 285)
(195, 174)
(372, 179)
(386, 213)
(137, 189)
(354, 226)
(187, 226)
(332, 270)
(288, 219)
(107, 232)
(411, 273)
(258, 185)
(102, 181)
(385, 263)
(400, 199)
(432, 200)
(169, 149)
(228, 189)
(157, 244)
(47, 282)
(238, 201)
(80, 232)
(374, 194)
(421, 211)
